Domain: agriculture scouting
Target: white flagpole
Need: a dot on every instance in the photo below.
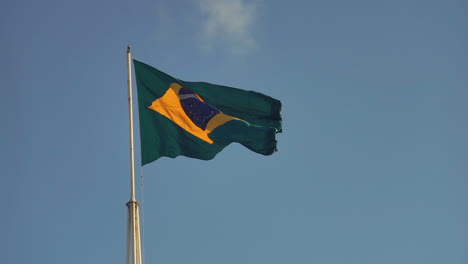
(133, 220)
(130, 118)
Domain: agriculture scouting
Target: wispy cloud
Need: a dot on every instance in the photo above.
(228, 22)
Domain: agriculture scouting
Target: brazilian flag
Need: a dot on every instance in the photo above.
(198, 119)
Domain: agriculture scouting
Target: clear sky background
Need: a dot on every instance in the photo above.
(372, 164)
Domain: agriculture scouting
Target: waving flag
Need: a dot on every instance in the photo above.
(198, 119)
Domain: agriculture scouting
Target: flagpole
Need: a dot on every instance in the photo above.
(130, 118)
(133, 220)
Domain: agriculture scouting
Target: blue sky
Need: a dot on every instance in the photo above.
(372, 164)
